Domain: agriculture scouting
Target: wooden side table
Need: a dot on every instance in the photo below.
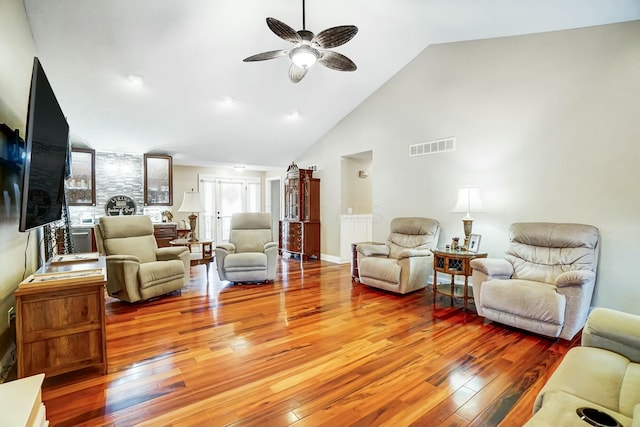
(203, 255)
(454, 263)
(60, 319)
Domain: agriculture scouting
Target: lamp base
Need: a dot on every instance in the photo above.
(192, 224)
(468, 224)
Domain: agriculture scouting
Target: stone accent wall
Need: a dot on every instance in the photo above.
(116, 175)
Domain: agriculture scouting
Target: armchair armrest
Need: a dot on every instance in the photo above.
(270, 245)
(369, 249)
(574, 278)
(122, 273)
(409, 253)
(169, 253)
(494, 268)
(226, 247)
(613, 330)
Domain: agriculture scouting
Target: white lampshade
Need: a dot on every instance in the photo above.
(191, 202)
(303, 56)
(468, 201)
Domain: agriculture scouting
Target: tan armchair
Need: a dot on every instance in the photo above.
(136, 268)
(546, 281)
(405, 262)
(250, 255)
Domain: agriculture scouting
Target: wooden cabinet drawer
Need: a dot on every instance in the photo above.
(164, 233)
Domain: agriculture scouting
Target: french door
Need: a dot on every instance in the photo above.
(223, 197)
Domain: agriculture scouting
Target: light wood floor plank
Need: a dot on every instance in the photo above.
(311, 349)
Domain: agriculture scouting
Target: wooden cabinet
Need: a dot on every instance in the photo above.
(81, 185)
(300, 238)
(158, 180)
(300, 228)
(165, 233)
(60, 320)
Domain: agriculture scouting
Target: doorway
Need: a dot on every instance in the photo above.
(221, 198)
(274, 205)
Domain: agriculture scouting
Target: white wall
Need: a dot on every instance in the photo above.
(17, 50)
(547, 125)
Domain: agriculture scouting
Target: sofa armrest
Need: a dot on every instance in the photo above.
(409, 253)
(169, 253)
(370, 249)
(575, 278)
(613, 330)
(494, 268)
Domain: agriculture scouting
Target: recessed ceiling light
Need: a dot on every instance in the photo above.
(294, 115)
(228, 100)
(135, 79)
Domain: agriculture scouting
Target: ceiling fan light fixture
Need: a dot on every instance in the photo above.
(304, 56)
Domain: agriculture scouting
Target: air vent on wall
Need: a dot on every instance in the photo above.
(432, 147)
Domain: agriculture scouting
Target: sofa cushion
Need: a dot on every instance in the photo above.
(245, 261)
(524, 298)
(595, 375)
(384, 269)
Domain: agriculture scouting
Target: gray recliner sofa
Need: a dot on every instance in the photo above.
(545, 282)
(250, 255)
(403, 264)
(136, 268)
(603, 374)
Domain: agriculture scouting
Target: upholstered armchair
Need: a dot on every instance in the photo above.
(546, 281)
(403, 264)
(250, 255)
(136, 268)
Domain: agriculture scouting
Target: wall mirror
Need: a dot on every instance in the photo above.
(158, 180)
(81, 185)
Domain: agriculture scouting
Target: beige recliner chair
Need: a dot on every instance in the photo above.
(546, 281)
(602, 374)
(251, 254)
(136, 268)
(405, 262)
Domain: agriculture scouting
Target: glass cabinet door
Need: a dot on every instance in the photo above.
(158, 180)
(80, 186)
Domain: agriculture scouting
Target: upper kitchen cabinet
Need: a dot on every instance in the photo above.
(158, 180)
(81, 185)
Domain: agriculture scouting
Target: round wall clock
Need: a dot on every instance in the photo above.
(120, 205)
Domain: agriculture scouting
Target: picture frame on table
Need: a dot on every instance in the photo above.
(474, 242)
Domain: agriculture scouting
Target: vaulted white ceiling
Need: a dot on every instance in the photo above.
(201, 103)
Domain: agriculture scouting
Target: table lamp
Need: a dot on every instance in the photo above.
(191, 203)
(468, 201)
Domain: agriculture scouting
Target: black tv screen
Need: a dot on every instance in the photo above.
(47, 146)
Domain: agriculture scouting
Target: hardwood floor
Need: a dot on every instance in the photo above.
(311, 349)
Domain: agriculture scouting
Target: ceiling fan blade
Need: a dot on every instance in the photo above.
(296, 73)
(283, 31)
(336, 61)
(335, 36)
(266, 55)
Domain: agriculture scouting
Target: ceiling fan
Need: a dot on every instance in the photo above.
(309, 48)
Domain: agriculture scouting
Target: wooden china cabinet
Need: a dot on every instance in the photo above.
(300, 227)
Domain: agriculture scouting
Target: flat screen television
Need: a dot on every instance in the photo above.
(47, 148)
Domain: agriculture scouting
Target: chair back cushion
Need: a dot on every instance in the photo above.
(540, 251)
(412, 233)
(129, 235)
(250, 231)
